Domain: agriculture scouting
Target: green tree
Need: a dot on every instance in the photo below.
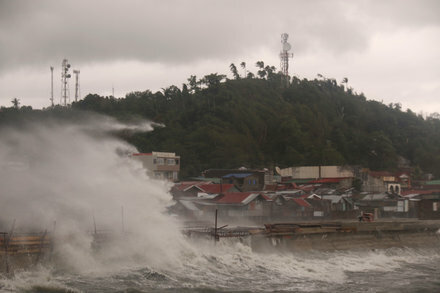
(234, 71)
(15, 103)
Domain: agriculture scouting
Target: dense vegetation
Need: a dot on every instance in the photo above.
(259, 122)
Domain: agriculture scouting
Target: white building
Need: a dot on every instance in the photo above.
(160, 165)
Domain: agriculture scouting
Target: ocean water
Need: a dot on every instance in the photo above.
(79, 177)
(234, 267)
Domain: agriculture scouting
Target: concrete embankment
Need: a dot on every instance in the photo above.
(354, 235)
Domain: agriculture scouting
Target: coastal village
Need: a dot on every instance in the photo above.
(303, 193)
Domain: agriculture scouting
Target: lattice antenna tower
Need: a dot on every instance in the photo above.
(284, 56)
(65, 75)
(77, 92)
(51, 86)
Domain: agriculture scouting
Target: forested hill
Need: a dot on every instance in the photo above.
(257, 123)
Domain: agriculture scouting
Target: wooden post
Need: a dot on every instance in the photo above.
(122, 219)
(215, 227)
(7, 240)
(94, 224)
(6, 252)
(40, 250)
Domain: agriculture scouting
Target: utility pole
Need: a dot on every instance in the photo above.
(51, 86)
(76, 72)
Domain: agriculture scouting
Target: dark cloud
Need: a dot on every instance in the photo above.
(38, 32)
(142, 44)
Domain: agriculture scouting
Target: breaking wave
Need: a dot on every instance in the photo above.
(234, 267)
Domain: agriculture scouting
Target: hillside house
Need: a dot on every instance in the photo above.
(199, 188)
(160, 165)
(244, 179)
(379, 181)
(237, 206)
(339, 202)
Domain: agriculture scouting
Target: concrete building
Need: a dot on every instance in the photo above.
(316, 172)
(160, 165)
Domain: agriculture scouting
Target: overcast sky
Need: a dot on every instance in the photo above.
(389, 50)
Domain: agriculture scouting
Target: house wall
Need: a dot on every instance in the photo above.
(252, 183)
(373, 184)
(160, 165)
(308, 172)
(429, 209)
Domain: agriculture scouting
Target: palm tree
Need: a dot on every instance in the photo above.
(243, 65)
(234, 71)
(261, 73)
(16, 103)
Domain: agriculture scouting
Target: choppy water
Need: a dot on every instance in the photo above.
(234, 267)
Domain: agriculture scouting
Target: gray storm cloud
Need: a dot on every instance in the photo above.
(139, 45)
(184, 31)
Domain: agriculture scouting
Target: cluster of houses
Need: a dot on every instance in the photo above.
(304, 193)
(296, 193)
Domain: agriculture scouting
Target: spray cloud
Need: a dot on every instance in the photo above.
(67, 173)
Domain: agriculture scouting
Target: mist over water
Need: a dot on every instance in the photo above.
(77, 173)
(64, 178)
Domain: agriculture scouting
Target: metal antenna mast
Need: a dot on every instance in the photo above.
(284, 56)
(51, 86)
(76, 72)
(65, 75)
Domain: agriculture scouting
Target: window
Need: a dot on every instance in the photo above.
(171, 162)
(160, 161)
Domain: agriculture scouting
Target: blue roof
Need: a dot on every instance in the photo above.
(237, 175)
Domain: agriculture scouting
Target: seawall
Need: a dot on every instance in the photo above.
(353, 236)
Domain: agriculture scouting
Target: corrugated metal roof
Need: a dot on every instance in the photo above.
(216, 188)
(297, 181)
(328, 180)
(433, 182)
(333, 198)
(237, 175)
(213, 180)
(189, 205)
(236, 197)
(302, 202)
(185, 185)
(379, 196)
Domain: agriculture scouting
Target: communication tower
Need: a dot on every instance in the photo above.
(284, 56)
(76, 72)
(65, 75)
(51, 86)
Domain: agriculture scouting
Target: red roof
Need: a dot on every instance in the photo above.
(270, 187)
(307, 188)
(215, 188)
(419, 191)
(233, 197)
(182, 186)
(328, 180)
(301, 202)
(142, 154)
